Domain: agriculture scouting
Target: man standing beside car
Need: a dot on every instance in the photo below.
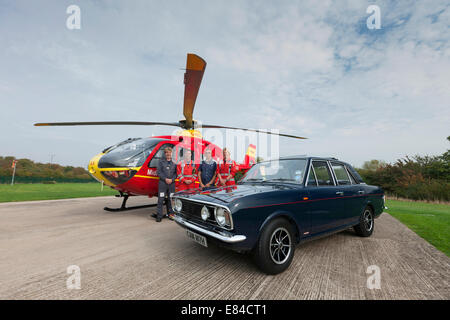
(207, 171)
(167, 172)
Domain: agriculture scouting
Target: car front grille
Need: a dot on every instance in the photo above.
(193, 209)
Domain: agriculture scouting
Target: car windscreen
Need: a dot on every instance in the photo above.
(130, 154)
(285, 170)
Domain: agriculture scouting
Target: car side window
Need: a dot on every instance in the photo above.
(323, 174)
(341, 174)
(312, 177)
(159, 155)
(352, 179)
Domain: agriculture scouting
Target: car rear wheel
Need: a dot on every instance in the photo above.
(275, 248)
(366, 223)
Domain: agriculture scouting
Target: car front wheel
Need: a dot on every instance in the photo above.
(275, 248)
(366, 223)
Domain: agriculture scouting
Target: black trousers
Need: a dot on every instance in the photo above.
(164, 190)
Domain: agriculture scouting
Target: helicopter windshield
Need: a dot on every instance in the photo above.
(129, 154)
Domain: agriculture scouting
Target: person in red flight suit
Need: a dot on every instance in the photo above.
(186, 172)
(226, 170)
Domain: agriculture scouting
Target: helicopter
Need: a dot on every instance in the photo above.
(130, 166)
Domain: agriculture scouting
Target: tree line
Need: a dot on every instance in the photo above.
(28, 171)
(412, 177)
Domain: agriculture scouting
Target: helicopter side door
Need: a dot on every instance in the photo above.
(153, 164)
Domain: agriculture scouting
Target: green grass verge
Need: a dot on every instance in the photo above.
(39, 191)
(429, 220)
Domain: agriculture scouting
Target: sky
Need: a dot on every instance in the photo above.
(308, 68)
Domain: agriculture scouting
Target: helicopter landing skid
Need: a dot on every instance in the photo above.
(123, 207)
(129, 208)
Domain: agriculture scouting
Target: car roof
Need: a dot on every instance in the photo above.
(349, 166)
(304, 156)
(311, 157)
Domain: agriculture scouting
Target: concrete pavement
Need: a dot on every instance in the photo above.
(129, 256)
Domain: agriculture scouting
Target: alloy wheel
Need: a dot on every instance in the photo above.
(280, 245)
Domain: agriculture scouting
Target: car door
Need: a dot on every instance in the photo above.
(325, 207)
(359, 198)
(349, 192)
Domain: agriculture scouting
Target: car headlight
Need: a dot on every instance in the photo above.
(205, 213)
(223, 217)
(177, 205)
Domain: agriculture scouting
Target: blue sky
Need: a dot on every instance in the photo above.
(309, 68)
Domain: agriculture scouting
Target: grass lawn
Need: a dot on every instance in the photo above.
(429, 220)
(39, 191)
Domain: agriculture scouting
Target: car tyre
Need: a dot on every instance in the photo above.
(275, 248)
(366, 223)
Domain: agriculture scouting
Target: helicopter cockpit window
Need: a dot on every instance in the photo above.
(180, 154)
(159, 155)
(129, 154)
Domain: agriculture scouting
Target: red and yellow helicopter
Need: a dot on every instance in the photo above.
(130, 166)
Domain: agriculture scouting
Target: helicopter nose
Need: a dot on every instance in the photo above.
(94, 171)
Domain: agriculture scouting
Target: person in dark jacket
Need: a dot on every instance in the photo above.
(207, 171)
(167, 172)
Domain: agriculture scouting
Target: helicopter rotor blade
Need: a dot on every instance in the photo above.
(108, 123)
(195, 68)
(253, 130)
(147, 123)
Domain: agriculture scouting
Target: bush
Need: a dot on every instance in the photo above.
(28, 171)
(416, 178)
(432, 190)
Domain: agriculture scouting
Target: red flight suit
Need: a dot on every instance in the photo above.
(186, 171)
(227, 171)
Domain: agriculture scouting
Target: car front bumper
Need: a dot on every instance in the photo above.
(223, 237)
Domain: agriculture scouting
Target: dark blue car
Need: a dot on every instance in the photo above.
(278, 204)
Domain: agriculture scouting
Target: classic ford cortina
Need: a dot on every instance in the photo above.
(278, 204)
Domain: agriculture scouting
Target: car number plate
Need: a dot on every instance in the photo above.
(197, 238)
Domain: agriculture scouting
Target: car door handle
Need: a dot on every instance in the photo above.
(361, 192)
(340, 193)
